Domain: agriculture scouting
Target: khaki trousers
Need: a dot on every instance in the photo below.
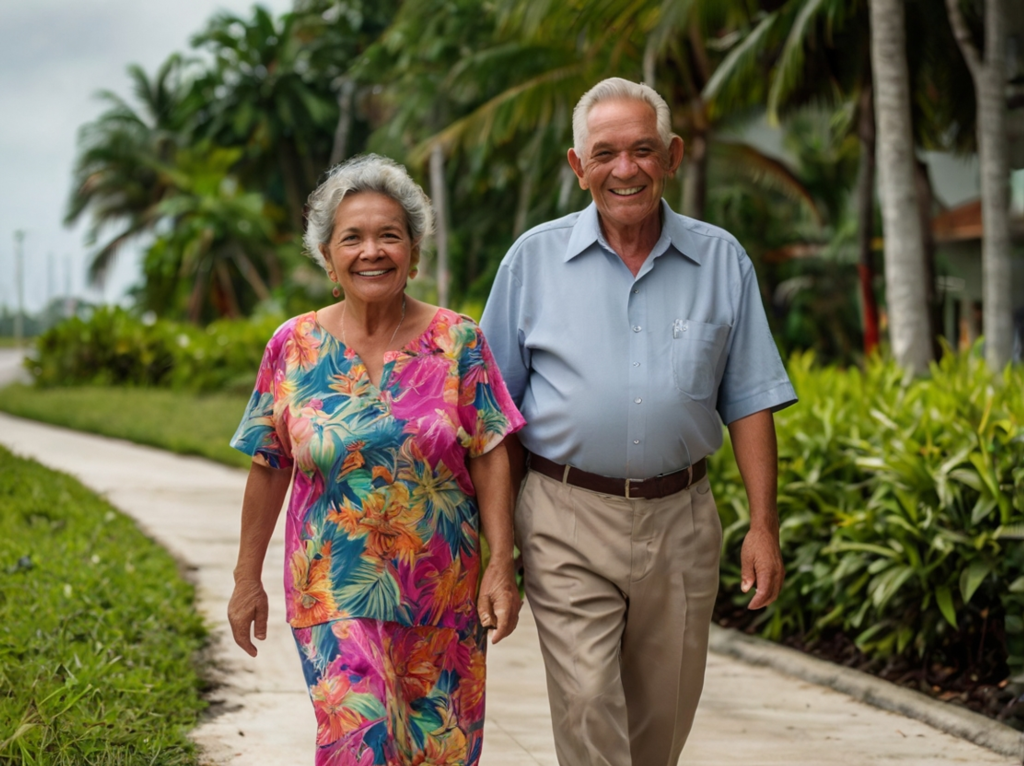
(622, 592)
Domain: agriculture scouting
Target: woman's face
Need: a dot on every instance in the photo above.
(370, 252)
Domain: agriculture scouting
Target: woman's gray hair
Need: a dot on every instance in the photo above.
(616, 88)
(365, 173)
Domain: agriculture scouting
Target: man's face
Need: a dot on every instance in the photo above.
(625, 163)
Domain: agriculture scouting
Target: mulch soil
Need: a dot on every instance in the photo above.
(983, 689)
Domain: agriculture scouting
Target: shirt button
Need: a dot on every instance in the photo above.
(637, 328)
(636, 441)
(638, 400)
(635, 292)
(636, 364)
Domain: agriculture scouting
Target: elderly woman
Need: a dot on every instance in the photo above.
(390, 415)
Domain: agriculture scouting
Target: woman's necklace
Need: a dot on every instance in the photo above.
(400, 320)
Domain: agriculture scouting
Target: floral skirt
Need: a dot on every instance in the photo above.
(390, 695)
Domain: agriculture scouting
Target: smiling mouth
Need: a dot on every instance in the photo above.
(374, 273)
(627, 192)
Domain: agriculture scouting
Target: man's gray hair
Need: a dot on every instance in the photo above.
(612, 89)
(365, 173)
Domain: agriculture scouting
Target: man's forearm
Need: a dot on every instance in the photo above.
(757, 455)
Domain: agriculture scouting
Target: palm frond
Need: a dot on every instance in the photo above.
(740, 67)
(789, 71)
(520, 107)
(767, 171)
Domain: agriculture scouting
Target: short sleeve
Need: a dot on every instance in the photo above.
(754, 378)
(487, 413)
(259, 432)
(503, 326)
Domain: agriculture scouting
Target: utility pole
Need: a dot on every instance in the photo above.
(50, 291)
(19, 285)
(69, 302)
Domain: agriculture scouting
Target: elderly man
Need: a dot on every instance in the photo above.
(627, 334)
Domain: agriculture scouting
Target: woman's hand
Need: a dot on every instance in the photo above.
(248, 605)
(498, 603)
(265, 490)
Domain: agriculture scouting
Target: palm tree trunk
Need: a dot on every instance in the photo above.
(437, 191)
(566, 180)
(346, 90)
(925, 203)
(523, 204)
(866, 218)
(989, 75)
(695, 180)
(904, 257)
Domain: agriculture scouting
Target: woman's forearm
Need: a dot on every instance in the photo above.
(265, 491)
(493, 482)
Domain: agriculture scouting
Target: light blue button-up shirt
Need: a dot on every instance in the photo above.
(629, 376)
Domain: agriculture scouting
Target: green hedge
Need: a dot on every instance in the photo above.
(902, 507)
(114, 347)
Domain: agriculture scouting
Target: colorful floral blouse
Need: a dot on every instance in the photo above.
(382, 521)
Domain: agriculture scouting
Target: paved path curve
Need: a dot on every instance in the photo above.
(11, 369)
(262, 717)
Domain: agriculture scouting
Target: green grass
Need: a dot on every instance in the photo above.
(98, 633)
(179, 421)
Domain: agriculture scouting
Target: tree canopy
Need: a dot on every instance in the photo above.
(208, 163)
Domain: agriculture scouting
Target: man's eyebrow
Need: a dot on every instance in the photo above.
(643, 143)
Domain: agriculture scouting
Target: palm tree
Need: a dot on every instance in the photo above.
(545, 55)
(817, 54)
(214, 255)
(117, 180)
(335, 36)
(904, 257)
(988, 70)
(264, 95)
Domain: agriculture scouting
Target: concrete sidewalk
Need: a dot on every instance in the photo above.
(262, 716)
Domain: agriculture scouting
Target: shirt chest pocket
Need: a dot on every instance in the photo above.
(696, 349)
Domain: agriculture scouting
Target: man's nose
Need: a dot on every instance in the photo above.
(624, 166)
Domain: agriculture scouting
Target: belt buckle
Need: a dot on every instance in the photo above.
(638, 481)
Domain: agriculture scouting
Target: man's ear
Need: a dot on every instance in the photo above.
(577, 167)
(675, 154)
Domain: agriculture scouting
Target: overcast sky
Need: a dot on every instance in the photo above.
(54, 56)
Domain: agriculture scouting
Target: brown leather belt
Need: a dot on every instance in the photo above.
(645, 489)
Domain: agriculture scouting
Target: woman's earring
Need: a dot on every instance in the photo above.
(336, 292)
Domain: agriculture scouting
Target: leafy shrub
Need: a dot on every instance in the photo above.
(902, 508)
(114, 347)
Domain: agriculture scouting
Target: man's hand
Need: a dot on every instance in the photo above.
(499, 602)
(761, 568)
(248, 605)
(753, 443)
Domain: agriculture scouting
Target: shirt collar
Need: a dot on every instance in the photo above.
(675, 231)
